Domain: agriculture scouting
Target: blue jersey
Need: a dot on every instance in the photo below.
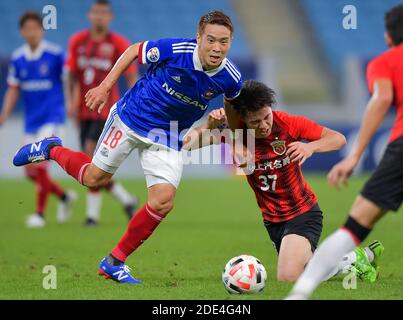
(38, 74)
(175, 91)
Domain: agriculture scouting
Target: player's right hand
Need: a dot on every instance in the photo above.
(216, 118)
(97, 97)
(341, 171)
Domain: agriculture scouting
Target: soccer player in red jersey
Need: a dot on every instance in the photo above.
(290, 209)
(91, 55)
(384, 189)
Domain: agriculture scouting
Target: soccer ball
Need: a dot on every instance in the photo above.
(244, 274)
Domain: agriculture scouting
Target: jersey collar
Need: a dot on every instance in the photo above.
(36, 54)
(198, 66)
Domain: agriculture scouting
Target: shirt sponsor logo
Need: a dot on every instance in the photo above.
(98, 63)
(273, 165)
(153, 54)
(183, 97)
(36, 85)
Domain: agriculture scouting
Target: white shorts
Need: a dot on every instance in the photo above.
(160, 163)
(46, 131)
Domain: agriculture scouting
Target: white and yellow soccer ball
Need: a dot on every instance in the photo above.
(244, 274)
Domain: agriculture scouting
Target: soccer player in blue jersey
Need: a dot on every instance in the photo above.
(152, 117)
(35, 72)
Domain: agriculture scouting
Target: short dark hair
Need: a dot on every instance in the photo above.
(30, 15)
(215, 17)
(102, 2)
(254, 96)
(394, 24)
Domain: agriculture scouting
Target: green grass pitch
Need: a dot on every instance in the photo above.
(213, 220)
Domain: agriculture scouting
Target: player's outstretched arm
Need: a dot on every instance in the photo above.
(375, 113)
(98, 96)
(233, 118)
(10, 100)
(71, 92)
(329, 140)
(202, 136)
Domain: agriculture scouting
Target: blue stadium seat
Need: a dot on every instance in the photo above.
(366, 41)
(137, 20)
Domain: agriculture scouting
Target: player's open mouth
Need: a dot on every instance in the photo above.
(263, 132)
(214, 58)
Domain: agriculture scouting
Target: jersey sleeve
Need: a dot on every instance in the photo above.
(155, 51)
(71, 59)
(121, 45)
(377, 69)
(233, 91)
(302, 128)
(12, 76)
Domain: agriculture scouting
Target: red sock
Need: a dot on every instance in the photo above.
(141, 226)
(51, 185)
(73, 162)
(38, 173)
(55, 188)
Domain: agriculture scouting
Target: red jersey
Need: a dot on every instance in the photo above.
(91, 61)
(281, 190)
(389, 65)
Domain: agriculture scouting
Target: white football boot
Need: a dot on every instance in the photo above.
(35, 221)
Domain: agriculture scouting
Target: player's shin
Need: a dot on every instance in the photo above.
(140, 227)
(327, 257)
(73, 162)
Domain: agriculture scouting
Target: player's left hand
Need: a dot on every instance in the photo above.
(97, 97)
(299, 151)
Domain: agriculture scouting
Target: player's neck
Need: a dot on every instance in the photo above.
(98, 34)
(33, 46)
(209, 68)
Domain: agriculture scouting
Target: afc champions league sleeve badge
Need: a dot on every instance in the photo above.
(278, 147)
(153, 54)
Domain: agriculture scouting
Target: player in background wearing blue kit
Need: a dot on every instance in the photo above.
(152, 117)
(36, 72)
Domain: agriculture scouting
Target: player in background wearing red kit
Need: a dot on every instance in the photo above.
(290, 209)
(91, 55)
(384, 189)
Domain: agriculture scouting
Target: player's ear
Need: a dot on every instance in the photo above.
(388, 40)
(198, 37)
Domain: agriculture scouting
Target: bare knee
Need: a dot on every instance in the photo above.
(163, 206)
(161, 198)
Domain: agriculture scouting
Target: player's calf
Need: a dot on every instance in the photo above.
(288, 275)
(93, 177)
